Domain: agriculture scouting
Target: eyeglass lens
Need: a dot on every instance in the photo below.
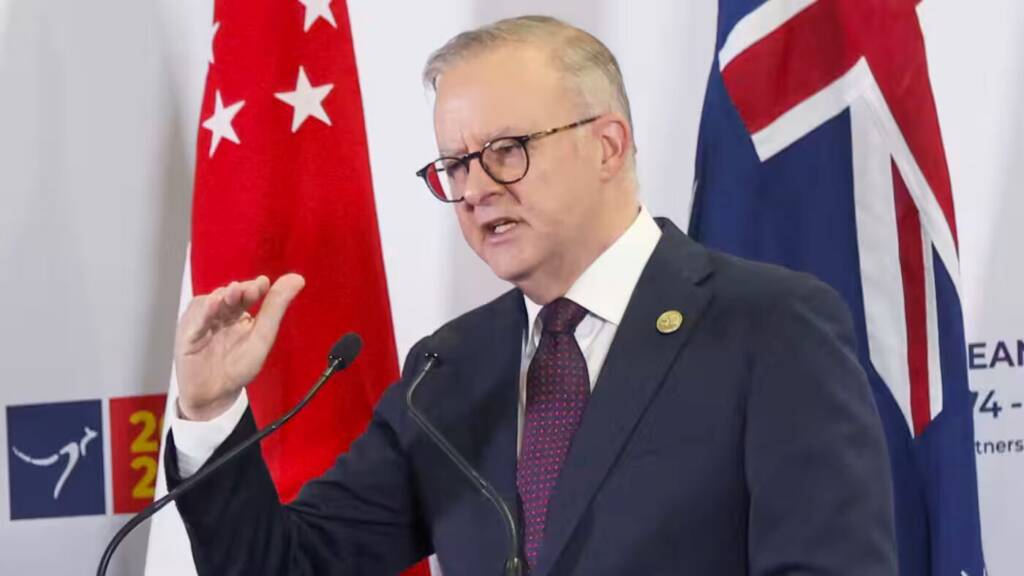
(504, 160)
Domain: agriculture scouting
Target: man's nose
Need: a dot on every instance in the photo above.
(480, 187)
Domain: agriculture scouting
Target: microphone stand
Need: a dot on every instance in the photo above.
(513, 564)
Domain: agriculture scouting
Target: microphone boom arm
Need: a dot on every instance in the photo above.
(513, 564)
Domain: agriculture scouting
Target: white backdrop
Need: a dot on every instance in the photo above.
(98, 116)
(976, 56)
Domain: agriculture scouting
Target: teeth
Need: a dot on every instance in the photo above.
(504, 227)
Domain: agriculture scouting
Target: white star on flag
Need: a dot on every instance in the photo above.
(220, 122)
(316, 9)
(307, 101)
(211, 34)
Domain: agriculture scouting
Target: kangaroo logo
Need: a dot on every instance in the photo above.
(55, 454)
(73, 450)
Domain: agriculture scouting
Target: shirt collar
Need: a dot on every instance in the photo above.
(606, 286)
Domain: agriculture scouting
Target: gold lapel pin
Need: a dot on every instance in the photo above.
(670, 321)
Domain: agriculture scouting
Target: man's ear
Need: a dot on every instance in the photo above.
(616, 144)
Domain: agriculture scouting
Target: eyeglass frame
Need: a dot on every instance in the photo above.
(465, 159)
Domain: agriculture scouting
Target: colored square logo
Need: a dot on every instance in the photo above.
(136, 424)
(55, 453)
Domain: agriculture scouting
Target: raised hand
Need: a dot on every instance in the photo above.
(219, 347)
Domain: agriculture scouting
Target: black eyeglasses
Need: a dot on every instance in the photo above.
(504, 159)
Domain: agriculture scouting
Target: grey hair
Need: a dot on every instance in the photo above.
(591, 68)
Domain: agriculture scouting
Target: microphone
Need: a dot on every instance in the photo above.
(513, 564)
(341, 356)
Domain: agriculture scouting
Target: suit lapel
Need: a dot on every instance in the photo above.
(637, 363)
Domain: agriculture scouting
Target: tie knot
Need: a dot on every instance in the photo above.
(562, 316)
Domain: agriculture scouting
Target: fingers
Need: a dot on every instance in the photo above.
(239, 296)
(197, 320)
(223, 306)
(229, 303)
(274, 306)
(255, 291)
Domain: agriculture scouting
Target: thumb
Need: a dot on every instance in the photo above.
(280, 296)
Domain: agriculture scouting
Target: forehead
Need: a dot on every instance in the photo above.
(505, 90)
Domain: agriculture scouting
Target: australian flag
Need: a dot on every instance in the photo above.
(820, 150)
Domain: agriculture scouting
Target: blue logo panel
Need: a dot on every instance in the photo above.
(55, 453)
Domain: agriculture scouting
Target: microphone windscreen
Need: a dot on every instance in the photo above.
(346, 349)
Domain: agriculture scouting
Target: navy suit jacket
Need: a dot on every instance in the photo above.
(744, 443)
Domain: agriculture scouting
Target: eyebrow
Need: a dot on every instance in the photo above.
(500, 132)
(489, 137)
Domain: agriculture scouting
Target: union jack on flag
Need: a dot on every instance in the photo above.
(820, 150)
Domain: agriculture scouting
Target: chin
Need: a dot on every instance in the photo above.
(511, 274)
(512, 270)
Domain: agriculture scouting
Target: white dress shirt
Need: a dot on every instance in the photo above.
(604, 289)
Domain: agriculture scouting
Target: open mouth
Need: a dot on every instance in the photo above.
(501, 226)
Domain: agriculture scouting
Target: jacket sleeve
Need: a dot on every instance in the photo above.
(816, 462)
(361, 517)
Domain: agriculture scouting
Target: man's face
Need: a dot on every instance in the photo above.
(532, 232)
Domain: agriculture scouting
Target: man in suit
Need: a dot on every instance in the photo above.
(646, 406)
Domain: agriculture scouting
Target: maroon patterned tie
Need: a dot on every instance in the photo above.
(557, 389)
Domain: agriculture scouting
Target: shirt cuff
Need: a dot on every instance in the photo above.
(197, 441)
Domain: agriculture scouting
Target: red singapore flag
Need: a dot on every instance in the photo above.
(283, 185)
